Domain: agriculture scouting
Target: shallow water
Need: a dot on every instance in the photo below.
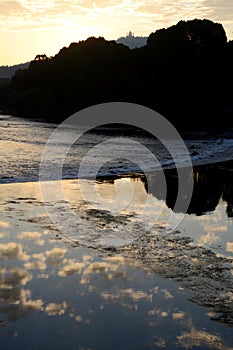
(23, 141)
(56, 294)
(83, 271)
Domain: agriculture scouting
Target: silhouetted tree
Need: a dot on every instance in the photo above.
(181, 73)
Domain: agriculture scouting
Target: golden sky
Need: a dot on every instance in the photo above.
(31, 27)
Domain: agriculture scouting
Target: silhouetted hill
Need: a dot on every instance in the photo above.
(182, 72)
(9, 71)
(132, 41)
(4, 81)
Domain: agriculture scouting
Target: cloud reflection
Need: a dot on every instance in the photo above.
(202, 339)
(229, 247)
(32, 236)
(4, 224)
(72, 267)
(56, 253)
(113, 279)
(12, 250)
(54, 309)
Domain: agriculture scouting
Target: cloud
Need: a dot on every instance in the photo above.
(105, 17)
(97, 4)
(170, 12)
(145, 13)
(36, 5)
(220, 10)
(11, 8)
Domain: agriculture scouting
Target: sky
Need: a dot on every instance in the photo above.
(31, 27)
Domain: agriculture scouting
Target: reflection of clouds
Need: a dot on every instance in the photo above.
(35, 265)
(229, 247)
(32, 236)
(158, 312)
(4, 224)
(167, 294)
(15, 301)
(124, 195)
(72, 267)
(54, 309)
(111, 276)
(42, 276)
(212, 235)
(18, 304)
(134, 295)
(38, 264)
(14, 277)
(29, 305)
(115, 259)
(111, 269)
(209, 239)
(178, 315)
(78, 318)
(128, 293)
(201, 339)
(29, 235)
(56, 253)
(160, 343)
(12, 250)
(96, 267)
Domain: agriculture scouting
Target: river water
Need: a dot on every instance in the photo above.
(23, 142)
(73, 289)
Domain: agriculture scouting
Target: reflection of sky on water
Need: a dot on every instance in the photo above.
(57, 296)
(211, 231)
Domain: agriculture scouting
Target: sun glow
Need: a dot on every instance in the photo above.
(30, 27)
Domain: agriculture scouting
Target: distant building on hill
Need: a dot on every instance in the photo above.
(132, 41)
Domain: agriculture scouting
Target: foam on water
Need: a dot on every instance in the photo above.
(23, 141)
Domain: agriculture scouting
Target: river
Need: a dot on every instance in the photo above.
(73, 288)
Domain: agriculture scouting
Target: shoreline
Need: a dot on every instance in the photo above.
(225, 165)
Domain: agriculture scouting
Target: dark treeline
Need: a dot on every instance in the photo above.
(184, 72)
